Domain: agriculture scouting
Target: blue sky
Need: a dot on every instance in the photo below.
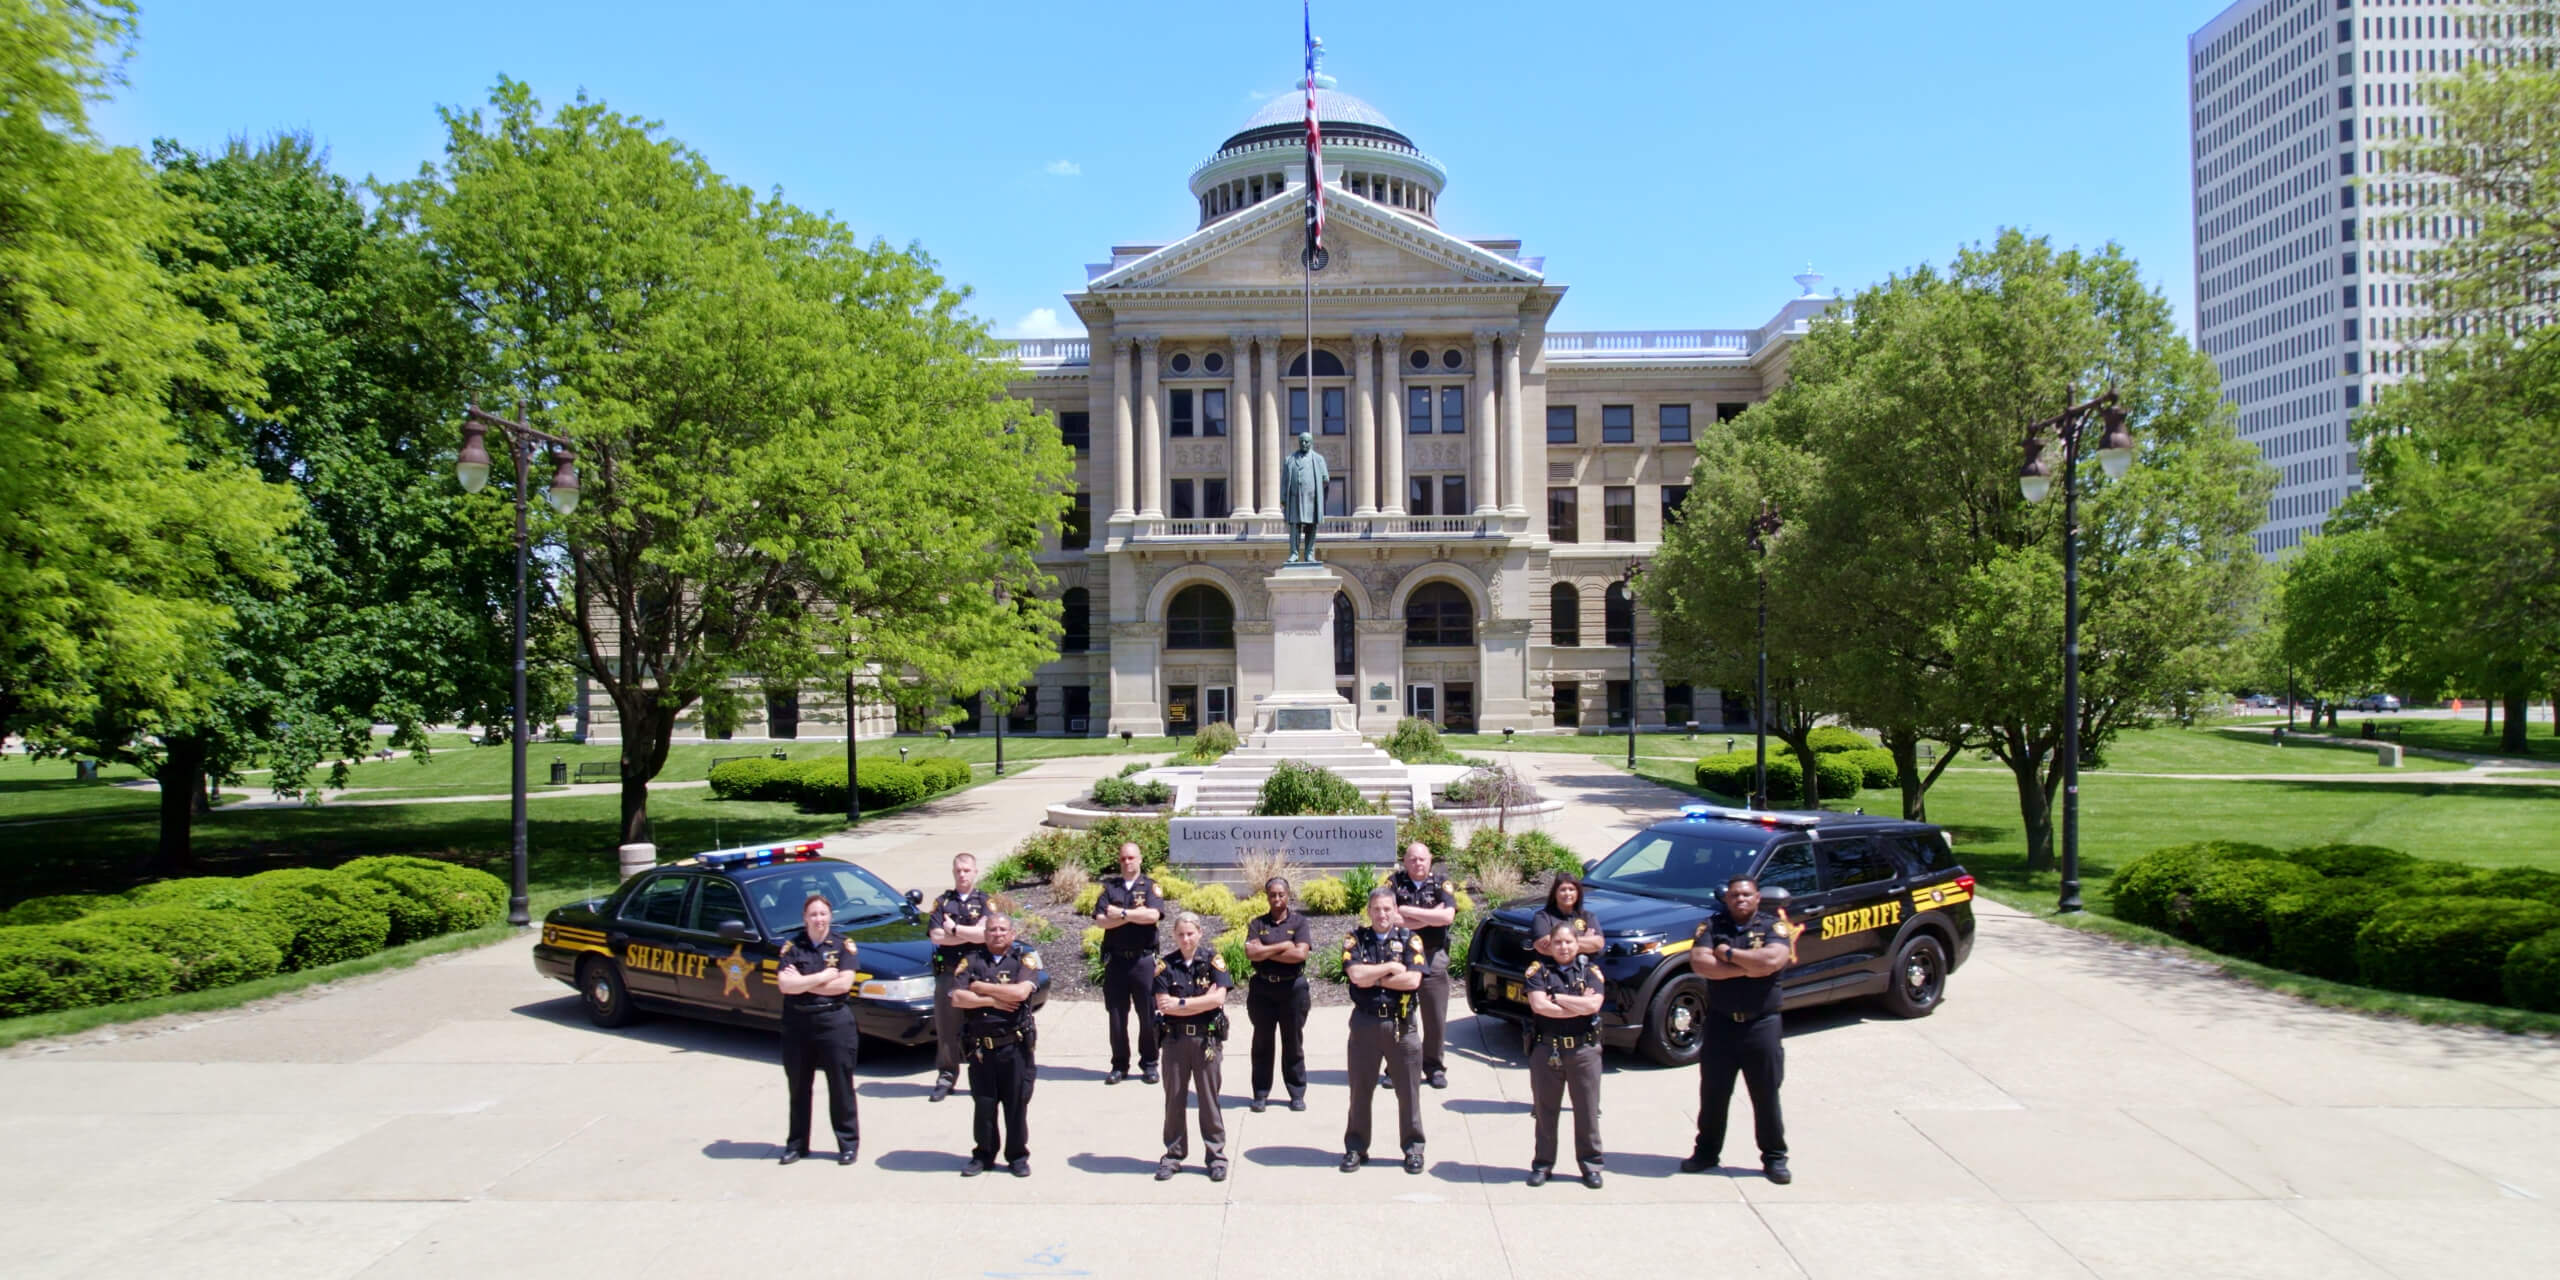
(1674, 162)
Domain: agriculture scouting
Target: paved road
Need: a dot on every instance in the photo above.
(2076, 1108)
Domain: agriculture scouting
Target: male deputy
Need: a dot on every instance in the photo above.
(1564, 1053)
(1427, 905)
(1191, 998)
(1128, 911)
(1740, 952)
(993, 993)
(959, 931)
(1277, 942)
(1382, 961)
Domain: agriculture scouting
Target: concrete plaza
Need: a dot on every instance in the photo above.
(2076, 1108)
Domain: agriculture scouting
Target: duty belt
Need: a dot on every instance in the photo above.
(1569, 1042)
(826, 1004)
(995, 1041)
(1751, 1017)
(1186, 1028)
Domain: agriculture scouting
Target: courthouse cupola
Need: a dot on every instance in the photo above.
(1364, 154)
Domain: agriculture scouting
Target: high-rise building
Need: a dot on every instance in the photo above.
(2305, 244)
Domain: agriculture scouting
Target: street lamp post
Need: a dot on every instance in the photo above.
(1763, 527)
(1627, 588)
(471, 467)
(2035, 481)
(852, 752)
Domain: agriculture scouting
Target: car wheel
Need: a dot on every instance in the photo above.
(600, 986)
(1676, 1027)
(1918, 979)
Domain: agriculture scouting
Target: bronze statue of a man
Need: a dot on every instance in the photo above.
(1302, 481)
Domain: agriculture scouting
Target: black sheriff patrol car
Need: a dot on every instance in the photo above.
(702, 938)
(1882, 909)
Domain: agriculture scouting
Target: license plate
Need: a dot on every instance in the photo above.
(1511, 991)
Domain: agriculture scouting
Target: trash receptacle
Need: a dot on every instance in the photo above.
(780, 753)
(559, 773)
(2368, 731)
(84, 770)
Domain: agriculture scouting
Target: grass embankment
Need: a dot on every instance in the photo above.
(2165, 750)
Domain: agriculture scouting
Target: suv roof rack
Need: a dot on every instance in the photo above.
(1765, 817)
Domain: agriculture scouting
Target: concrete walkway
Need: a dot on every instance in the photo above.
(2076, 1108)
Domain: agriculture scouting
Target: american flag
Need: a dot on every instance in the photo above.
(1315, 146)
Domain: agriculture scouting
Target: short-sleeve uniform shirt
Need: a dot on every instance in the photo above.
(1742, 995)
(1128, 895)
(1019, 964)
(1546, 921)
(1271, 932)
(955, 907)
(1430, 891)
(1576, 977)
(799, 955)
(1365, 945)
(1182, 979)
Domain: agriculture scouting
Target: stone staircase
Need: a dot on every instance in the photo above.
(1231, 787)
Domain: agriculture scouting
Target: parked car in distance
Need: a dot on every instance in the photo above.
(2374, 702)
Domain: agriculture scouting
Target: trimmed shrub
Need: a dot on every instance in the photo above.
(224, 893)
(428, 898)
(943, 773)
(1103, 839)
(2453, 947)
(1246, 911)
(1326, 963)
(1830, 738)
(1840, 775)
(334, 917)
(1462, 938)
(1876, 770)
(2531, 976)
(755, 778)
(1093, 954)
(71, 966)
(1231, 949)
(1433, 830)
(1134, 768)
(1417, 741)
(1213, 741)
(2353, 861)
(60, 908)
(1486, 848)
(2532, 883)
(1299, 788)
(1171, 886)
(1730, 774)
(2227, 910)
(1359, 883)
(1120, 793)
(202, 948)
(1047, 849)
(1209, 902)
(2155, 889)
(2313, 929)
(1005, 874)
(1536, 851)
(1324, 896)
(885, 786)
(1088, 899)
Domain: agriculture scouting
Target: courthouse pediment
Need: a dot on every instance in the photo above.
(1370, 247)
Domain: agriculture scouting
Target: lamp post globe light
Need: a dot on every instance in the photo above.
(1763, 527)
(471, 467)
(2036, 480)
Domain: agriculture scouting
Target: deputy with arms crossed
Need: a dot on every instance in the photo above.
(1564, 907)
(995, 985)
(1740, 951)
(959, 931)
(816, 975)
(1427, 905)
(1382, 961)
(1565, 1053)
(1277, 942)
(1128, 910)
(1191, 997)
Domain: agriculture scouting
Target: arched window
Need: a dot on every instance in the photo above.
(1075, 620)
(1200, 617)
(1620, 615)
(1438, 614)
(1328, 365)
(1344, 642)
(1564, 614)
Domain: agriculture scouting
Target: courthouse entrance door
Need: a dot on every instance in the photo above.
(1218, 706)
(1422, 701)
(1458, 707)
(1182, 709)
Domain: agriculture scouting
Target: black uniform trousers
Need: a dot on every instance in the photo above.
(1395, 1043)
(1281, 1008)
(1574, 1071)
(1000, 1081)
(946, 1025)
(823, 1041)
(1129, 986)
(1753, 1049)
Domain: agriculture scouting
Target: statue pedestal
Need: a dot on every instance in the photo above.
(1303, 709)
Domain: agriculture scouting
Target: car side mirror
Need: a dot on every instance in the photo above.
(1775, 894)
(733, 931)
(1588, 864)
(915, 899)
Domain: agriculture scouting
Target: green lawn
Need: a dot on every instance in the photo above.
(2459, 733)
(486, 770)
(2162, 750)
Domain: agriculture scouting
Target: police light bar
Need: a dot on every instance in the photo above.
(758, 855)
(1765, 817)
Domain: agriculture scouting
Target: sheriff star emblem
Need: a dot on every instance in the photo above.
(733, 973)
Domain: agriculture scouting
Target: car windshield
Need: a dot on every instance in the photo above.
(856, 894)
(1676, 864)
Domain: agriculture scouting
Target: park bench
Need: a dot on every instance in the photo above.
(599, 769)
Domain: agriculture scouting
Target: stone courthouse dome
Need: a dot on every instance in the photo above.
(1364, 155)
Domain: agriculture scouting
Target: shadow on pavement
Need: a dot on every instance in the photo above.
(900, 1090)
(1088, 1162)
(727, 1150)
(1293, 1157)
(1485, 1107)
(914, 1161)
(1644, 1166)
(1048, 1072)
(729, 1040)
(1470, 1171)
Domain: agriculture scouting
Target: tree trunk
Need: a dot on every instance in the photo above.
(1906, 772)
(647, 731)
(2511, 739)
(2035, 799)
(181, 777)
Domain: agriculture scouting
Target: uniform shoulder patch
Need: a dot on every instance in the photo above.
(1159, 964)
(1031, 959)
(1218, 962)
(1532, 970)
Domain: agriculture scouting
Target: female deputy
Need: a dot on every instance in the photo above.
(1564, 907)
(816, 975)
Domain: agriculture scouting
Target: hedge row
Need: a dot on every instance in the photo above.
(2359, 913)
(1731, 772)
(820, 784)
(196, 934)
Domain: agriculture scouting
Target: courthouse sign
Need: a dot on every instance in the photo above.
(1307, 841)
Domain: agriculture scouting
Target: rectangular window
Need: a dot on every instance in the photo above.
(1618, 513)
(1079, 708)
(1180, 414)
(1417, 495)
(1728, 410)
(1024, 715)
(1568, 703)
(1075, 531)
(1564, 515)
(1672, 496)
(1560, 426)
(1417, 411)
(1297, 412)
(1675, 424)
(1213, 413)
(1677, 707)
(1182, 508)
(1453, 411)
(1333, 420)
(1617, 424)
(1453, 495)
(1213, 499)
(1337, 492)
(1075, 430)
(1621, 703)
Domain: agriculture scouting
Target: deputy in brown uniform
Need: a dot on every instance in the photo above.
(816, 974)
(1383, 962)
(1128, 911)
(1277, 999)
(1740, 951)
(1564, 907)
(1565, 1055)
(1427, 905)
(994, 988)
(959, 931)
(1191, 998)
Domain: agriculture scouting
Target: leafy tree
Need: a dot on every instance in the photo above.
(117, 541)
(2489, 167)
(797, 454)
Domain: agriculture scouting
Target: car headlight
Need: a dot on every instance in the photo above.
(1637, 946)
(919, 987)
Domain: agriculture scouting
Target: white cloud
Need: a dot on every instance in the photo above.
(1062, 168)
(1043, 322)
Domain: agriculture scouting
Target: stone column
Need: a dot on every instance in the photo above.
(1137, 704)
(1380, 659)
(1391, 438)
(1240, 423)
(1151, 430)
(1364, 424)
(1266, 483)
(1514, 444)
(1486, 436)
(1124, 441)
